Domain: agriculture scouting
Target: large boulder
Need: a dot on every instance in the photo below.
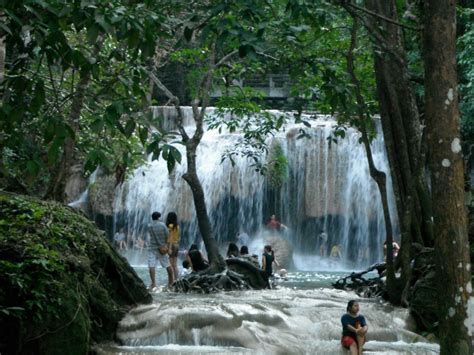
(63, 284)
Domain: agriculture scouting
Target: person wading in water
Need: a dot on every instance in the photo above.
(173, 240)
(158, 249)
(268, 258)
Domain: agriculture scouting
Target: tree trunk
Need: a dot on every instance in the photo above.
(57, 188)
(215, 259)
(401, 127)
(379, 176)
(447, 174)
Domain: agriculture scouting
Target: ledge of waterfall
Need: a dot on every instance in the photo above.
(64, 287)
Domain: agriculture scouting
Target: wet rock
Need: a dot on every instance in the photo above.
(63, 284)
(102, 195)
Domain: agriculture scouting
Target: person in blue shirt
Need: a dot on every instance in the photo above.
(354, 329)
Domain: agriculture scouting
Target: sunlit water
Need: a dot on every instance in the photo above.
(300, 316)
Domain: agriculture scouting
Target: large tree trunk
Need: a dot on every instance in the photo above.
(447, 175)
(64, 170)
(379, 176)
(401, 128)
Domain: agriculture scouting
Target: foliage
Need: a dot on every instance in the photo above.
(51, 46)
(54, 267)
(466, 84)
(277, 167)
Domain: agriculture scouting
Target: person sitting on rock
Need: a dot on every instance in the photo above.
(354, 329)
(232, 251)
(197, 261)
(244, 254)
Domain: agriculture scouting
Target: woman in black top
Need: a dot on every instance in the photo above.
(268, 258)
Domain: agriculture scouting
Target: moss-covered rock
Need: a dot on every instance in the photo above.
(63, 284)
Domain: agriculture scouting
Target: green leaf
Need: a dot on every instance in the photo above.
(129, 127)
(143, 135)
(170, 163)
(32, 167)
(152, 147)
(93, 33)
(97, 125)
(175, 153)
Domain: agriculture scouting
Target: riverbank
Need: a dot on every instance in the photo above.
(64, 287)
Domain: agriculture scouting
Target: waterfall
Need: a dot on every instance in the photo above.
(328, 189)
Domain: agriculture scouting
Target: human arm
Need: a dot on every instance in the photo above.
(363, 329)
(276, 262)
(264, 262)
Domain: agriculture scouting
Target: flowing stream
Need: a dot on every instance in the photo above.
(301, 316)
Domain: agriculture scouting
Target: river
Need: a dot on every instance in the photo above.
(300, 316)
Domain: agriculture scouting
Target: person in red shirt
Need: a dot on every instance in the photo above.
(274, 224)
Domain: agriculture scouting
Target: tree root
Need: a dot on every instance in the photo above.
(238, 275)
(373, 287)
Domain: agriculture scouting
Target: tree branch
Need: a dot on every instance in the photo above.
(175, 101)
(381, 17)
(379, 39)
(226, 58)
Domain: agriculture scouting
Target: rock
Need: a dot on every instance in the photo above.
(76, 183)
(102, 195)
(63, 284)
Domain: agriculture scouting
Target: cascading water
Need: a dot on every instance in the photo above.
(292, 319)
(328, 189)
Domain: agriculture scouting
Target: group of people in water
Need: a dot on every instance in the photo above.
(163, 249)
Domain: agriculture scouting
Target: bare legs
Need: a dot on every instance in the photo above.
(152, 271)
(361, 342)
(174, 266)
(170, 271)
(152, 277)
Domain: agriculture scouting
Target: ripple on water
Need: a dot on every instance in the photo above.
(287, 320)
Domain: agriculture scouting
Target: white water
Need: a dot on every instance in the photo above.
(329, 188)
(81, 202)
(287, 320)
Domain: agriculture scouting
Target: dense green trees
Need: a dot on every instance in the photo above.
(77, 78)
